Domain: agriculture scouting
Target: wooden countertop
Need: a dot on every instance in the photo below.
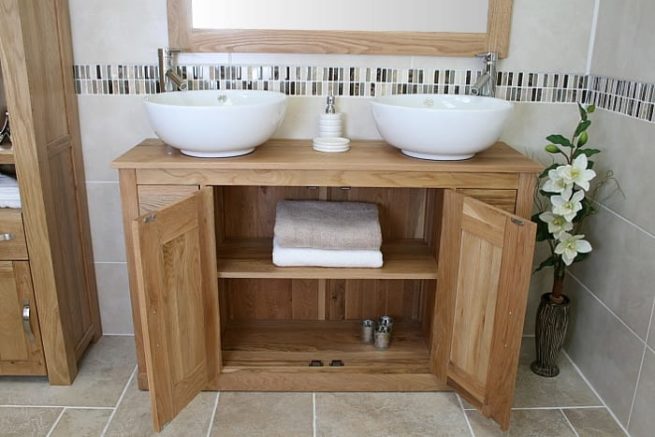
(299, 155)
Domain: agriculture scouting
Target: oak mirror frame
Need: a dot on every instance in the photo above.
(182, 35)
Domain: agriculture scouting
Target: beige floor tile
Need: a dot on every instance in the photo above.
(597, 422)
(27, 422)
(389, 414)
(133, 417)
(567, 389)
(263, 414)
(525, 423)
(103, 373)
(81, 423)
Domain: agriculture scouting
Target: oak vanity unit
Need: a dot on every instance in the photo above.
(212, 312)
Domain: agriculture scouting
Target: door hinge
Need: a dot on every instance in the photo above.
(518, 222)
(316, 363)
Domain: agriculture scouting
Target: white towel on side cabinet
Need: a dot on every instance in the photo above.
(307, 257)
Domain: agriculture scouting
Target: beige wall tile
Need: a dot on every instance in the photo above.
(114, 297)
(627, 150)
(133, 416)
(106, 222)
(118, 31)
(377, 414)
(81, 423)
(549, 36)
(263, 414)
(642, 421)
(592, 422)
(21, 422)
(103, 373)
(625, 43)
(110, 125)
(619, 270)
(541, 423)
(606, 352)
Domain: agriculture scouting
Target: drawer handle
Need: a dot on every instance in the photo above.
(27, 326)
(6, 237)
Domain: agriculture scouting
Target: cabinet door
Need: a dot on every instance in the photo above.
(175, 257)
(21, 352)
(485, 264)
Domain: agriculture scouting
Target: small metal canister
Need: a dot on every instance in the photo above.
(382, 337)
(368, 326)
(386, 321)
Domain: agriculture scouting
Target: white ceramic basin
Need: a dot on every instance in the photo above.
(440, 127)
(216, 124)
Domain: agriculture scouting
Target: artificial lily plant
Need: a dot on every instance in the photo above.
(564, 201)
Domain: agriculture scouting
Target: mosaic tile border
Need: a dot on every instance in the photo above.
(631, 98)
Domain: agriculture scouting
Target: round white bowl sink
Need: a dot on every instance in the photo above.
(440, 127)
(216, 124)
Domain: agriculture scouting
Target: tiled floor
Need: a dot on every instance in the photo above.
(105, 401)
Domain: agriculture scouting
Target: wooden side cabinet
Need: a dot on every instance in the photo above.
(48, 302)
(212, 312)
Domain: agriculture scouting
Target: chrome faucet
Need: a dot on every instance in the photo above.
(486, 83)
(167, 64)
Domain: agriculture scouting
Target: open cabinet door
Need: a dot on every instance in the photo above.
(485, 264)
(175, 257)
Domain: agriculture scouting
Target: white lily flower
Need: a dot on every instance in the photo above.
(555, 182)
(577, 173)
(567, 205)
(570, 246)
(556, 223)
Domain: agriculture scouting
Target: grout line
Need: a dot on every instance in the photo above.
(570, 407)
(632, 331)
(54, 425)
(314, 425)
(620, 217)
(74, 407)
(575, 431)
(641, 366)
(466, 417)
(592, 35)
(591, 387)
(120, 399)
(213, 416)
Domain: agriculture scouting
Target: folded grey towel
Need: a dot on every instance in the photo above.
(328, 225)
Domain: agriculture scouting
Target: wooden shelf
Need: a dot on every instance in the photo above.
(283, 344)
(251, 258)
(7, 154)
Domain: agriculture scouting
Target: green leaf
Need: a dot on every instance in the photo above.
(584, 137)
(548, 262)
(582, 126)
(583, 112)
(591, 109)
(559, 139)
(588, 152)
(581, 257)
(590, 164)
(552, 148)
(549, 168)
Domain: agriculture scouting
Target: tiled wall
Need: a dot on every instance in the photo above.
(612, 337)
(613, 334)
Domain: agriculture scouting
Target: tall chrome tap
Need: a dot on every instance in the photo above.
(167, 71)
(486, 83)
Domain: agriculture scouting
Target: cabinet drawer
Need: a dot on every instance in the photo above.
(12, 236)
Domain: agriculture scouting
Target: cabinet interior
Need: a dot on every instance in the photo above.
(286, 317)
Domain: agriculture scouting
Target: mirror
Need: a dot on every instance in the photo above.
(419, 27)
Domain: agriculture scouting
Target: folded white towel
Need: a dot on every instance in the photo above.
(306, 257)
(9, 194)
